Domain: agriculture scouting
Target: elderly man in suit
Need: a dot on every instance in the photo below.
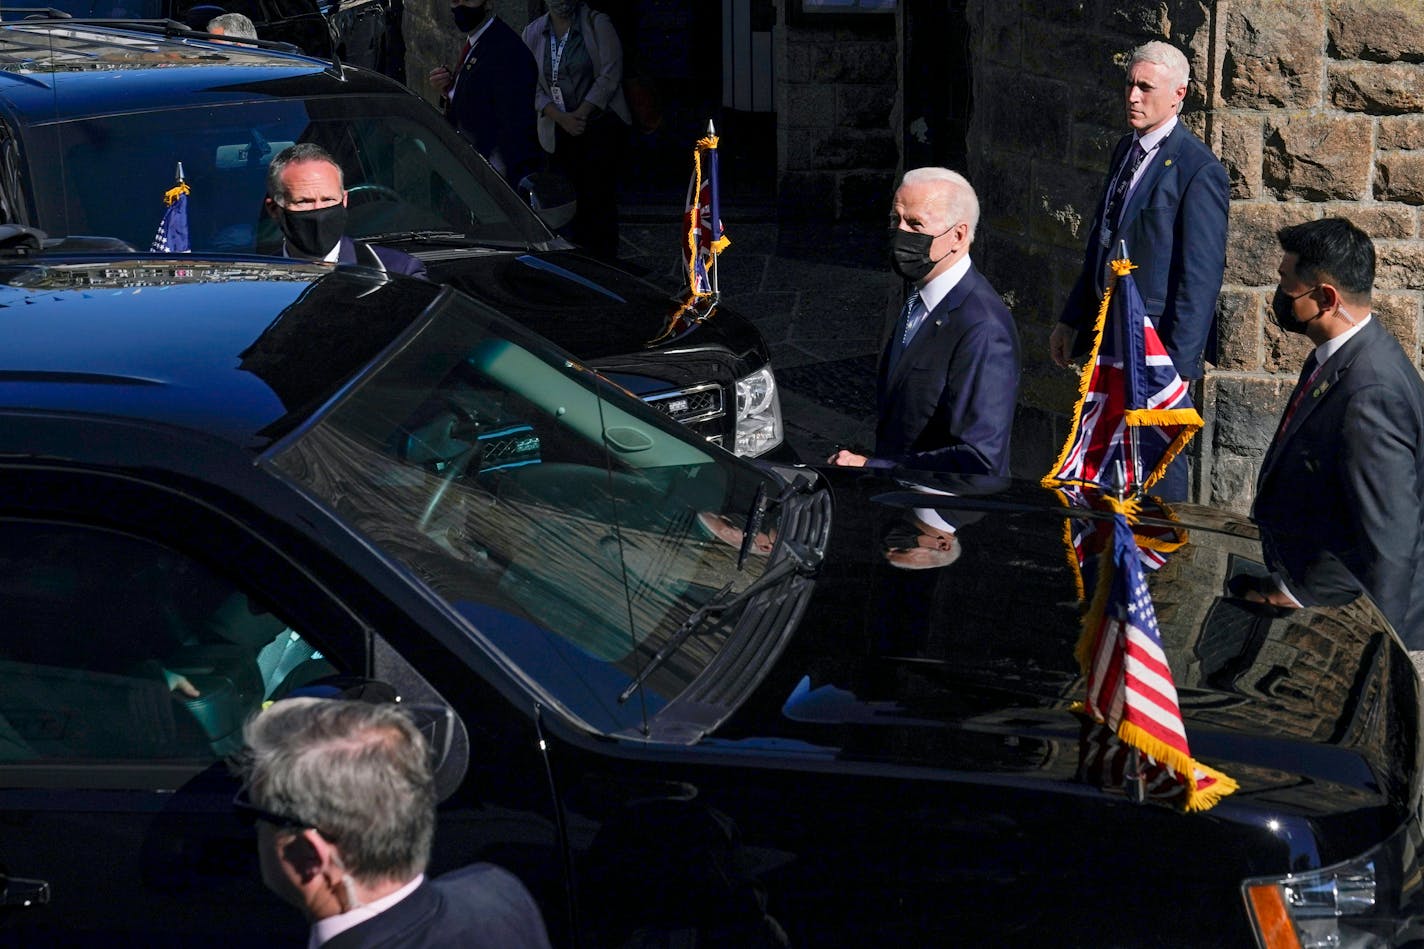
(1340, 495)
(306, 196)
(949, 375)
(343, 796)
(1166, 199)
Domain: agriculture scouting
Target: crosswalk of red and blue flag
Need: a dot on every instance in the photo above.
(702, 219)
(1134, 413)
(1130, 689)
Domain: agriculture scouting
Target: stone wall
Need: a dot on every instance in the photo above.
(837, 116)
(1315, 106)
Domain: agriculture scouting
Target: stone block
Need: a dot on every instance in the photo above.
(1399, 265)
(845, 149)
(1377, 88)
(1252, 251)
(1233, 483)
(1247, 413)
(1242, 154)
(1084, 58)
(1002, 184)
(1093, 147)
(1238, 323)
(1274, 56)
(810, 106)
(865, 106)
(1382, 30)
(1070, 12)
(1025, 114)
(1399, 176)
(807, 195)
(1020, 272)
(1284, 352)
(800, 146)
(1002, 32)
(797, 63)
(1380, 221)
(1317, 157)
(1400, 132)
(854, 62)
(864, 195)
(1064, 200)
(1399, 312)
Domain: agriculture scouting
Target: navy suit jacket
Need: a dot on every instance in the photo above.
(394, 261)
(493, 102)
(479, 907)
(948, 404)
(1340, 495)
(1174, 225)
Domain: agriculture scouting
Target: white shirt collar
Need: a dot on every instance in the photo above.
(938, 288)
(1332, 346)
(329, 928)
(475, 36)
(1155, 137)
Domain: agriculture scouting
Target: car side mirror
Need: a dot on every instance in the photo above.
(551, 195)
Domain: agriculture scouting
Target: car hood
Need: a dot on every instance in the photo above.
(612, 319)
(968, 667)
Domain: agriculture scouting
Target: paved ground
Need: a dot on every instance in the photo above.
(818, 294)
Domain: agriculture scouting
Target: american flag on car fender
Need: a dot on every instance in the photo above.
(1155, 529)
(1134, 412)
(1130, 689)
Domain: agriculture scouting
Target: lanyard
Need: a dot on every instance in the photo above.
(556, 53)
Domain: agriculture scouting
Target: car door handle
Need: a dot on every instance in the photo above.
(17, 891)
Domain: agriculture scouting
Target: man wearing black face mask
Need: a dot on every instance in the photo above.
(949, 374)
(489, 93)
(1340, 495)
(307, 199)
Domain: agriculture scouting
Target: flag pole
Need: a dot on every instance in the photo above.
(716, 217)
(1134, 471)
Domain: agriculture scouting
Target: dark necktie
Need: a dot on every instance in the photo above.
(1308, 371)
(909, 319)
(1130, 164)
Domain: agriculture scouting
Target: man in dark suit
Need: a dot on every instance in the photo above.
(949, 375)
(1166, 199)
(343, 796)
(1340, 495)
(489, 94)
(306, 196)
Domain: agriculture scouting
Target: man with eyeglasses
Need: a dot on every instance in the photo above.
(343, 797)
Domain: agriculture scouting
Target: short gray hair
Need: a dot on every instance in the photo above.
(960, 201)
(295, 155)
(359, 773)
(1165, 55)
(233, 24)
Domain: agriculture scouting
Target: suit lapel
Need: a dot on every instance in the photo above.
(933, 322)
(1157, 166)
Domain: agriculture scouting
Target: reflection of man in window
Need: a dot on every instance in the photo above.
(306, 196)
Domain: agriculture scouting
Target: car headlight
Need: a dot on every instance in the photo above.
(1364, 902)
(758, 413)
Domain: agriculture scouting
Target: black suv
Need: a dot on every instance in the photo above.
(94, 121)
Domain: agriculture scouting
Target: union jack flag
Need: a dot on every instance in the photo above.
(1089, 534)
(703, 220)
(1131, 691)
(1135, 413)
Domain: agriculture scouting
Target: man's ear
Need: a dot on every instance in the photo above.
(270, 207)
(305, 855)
(344, 193)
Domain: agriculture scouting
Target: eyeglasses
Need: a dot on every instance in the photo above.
(1300, 294)
(244, 808)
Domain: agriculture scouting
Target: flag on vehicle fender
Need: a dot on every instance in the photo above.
(702, 220)
(172, 236)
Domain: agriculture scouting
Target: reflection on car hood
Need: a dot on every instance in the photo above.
(970, 666)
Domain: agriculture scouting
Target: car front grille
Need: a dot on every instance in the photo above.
(700, 407)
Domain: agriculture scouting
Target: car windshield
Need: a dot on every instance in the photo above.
(404, 168)
(576, 530)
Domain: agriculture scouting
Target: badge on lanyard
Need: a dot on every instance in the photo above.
(556, 55)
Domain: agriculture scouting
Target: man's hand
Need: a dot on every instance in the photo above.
(847, 459)
(1060, 344)
(442, 79)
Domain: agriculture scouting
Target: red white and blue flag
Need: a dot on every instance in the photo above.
(702, 220)
(1135, 413)
(1130, 690)
(172, 235)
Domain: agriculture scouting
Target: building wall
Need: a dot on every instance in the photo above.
(1315, 106)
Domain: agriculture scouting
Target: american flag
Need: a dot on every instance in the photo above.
(1131, 691)
(702, 219)
(172, 236)
(1135, 413)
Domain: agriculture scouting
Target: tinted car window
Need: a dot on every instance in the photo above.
(576, 534)
(111, 9)
(118, 648)
(404, 168)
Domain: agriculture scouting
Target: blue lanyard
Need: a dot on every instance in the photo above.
(556, 53)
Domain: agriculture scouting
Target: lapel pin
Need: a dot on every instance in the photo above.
(1167, 163)
(1320, 390)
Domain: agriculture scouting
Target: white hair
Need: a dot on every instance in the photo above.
(1165, 55)
(960, 201)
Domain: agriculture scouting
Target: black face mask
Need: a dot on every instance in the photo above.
(1282, 315)
(313, 233)
(468, 18)
(910, 252)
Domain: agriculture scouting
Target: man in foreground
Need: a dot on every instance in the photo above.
(343, 796)
(306, 196)
(1340, 494)
(949, 375)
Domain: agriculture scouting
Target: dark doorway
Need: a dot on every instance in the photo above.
(937, 87)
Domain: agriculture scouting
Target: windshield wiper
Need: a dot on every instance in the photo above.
(417, 236)
(755, 516)
(798, 560)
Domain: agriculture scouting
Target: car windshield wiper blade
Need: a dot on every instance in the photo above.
(798, 560)
(417, 236)
(755, 515)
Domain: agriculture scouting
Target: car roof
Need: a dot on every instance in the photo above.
(103, 70)
(243, 348)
